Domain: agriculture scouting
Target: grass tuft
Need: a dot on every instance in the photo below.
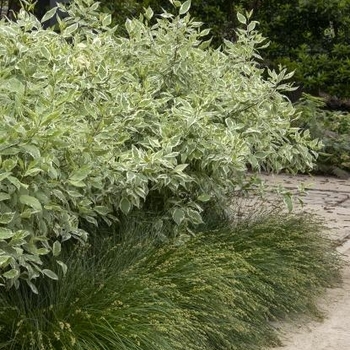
(219, 290)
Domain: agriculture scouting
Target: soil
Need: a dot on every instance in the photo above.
(330, 199)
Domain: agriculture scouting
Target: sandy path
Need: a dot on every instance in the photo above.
(329, 198)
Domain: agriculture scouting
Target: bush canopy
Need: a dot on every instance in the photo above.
(95, 125)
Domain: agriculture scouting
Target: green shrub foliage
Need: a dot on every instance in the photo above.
(309, 36)
(95, 125)
(333, 129)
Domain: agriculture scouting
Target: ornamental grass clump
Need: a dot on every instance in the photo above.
(219, 290)
(95, 125)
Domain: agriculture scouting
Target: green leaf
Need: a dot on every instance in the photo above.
(19, 237)
(32, 150)
(56, 248)
(185, 7)
(32, 172)
(27, 213)
(6, 218)
(31, 202)
(13, 273)
(10, 151)
(58, 194)
(5, 175)
(288, 201)
(50, 274)
(4, 196)
(42, 251)
(63, 266)
(13, 85)
(4, 261)
(205, 44)
(204, 197)
(125, 205)
(74, 194)
(9, 164)
(176, 3)
(80, 174)
(5, 233)
(16, 182)
(178, 216)
(149, 13)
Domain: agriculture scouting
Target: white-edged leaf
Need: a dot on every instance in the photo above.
(148, 13)
(42, 251)
(251, 26)
(4, 196)
(80, 174)
(102, 210)
(32, 150)
(185, 7)
(13, 273)
(5, 175)
(45, 52)
(195, 217)
(31, 202)
(32, 172)
(49, 14)
(32, 286)
(241, 18)
(180, 168)
(6, 233)
(129, 25)
(4, 261)
(204, 197)
(205, 44)
(6, 218)
(63, 266)
(50, 274)
(71, 29)
(77, 183)
(15, 182)
(56, 248)
(107, 20)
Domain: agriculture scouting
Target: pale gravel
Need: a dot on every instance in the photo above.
(330, 199)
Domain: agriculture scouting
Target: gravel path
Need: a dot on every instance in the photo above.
(329, 198)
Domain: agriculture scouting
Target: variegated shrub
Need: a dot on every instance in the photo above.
(94, 125)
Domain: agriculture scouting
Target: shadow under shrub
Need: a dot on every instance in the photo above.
(218, 290)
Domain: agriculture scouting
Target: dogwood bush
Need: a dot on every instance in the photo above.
(95, 125)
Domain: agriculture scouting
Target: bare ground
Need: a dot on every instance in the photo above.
(330, 199)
